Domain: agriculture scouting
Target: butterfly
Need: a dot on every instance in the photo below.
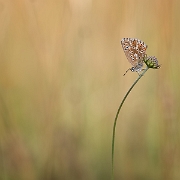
(135, 51)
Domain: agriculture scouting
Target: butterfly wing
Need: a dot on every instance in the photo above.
(134, 49)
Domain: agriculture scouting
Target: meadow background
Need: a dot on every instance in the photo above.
(61, 82)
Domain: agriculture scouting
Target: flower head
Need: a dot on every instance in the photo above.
(152, 62)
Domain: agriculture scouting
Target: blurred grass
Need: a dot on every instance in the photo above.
(61, 67)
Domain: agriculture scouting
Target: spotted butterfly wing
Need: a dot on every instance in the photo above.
(135, 51)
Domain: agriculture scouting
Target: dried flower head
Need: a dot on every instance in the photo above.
(152, 62)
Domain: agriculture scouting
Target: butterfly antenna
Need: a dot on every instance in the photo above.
(126, 72)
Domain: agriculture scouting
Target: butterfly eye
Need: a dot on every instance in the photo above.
(132, 69)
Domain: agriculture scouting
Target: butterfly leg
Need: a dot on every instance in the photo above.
(138, 73)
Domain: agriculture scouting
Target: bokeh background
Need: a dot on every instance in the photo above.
(61, 82)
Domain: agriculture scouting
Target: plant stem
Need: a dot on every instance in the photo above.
(115, 120)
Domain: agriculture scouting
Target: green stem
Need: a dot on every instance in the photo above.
(115, 120)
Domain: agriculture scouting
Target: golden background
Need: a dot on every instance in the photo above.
(61, 82)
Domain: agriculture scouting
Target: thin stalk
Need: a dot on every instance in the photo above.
(117, 114)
